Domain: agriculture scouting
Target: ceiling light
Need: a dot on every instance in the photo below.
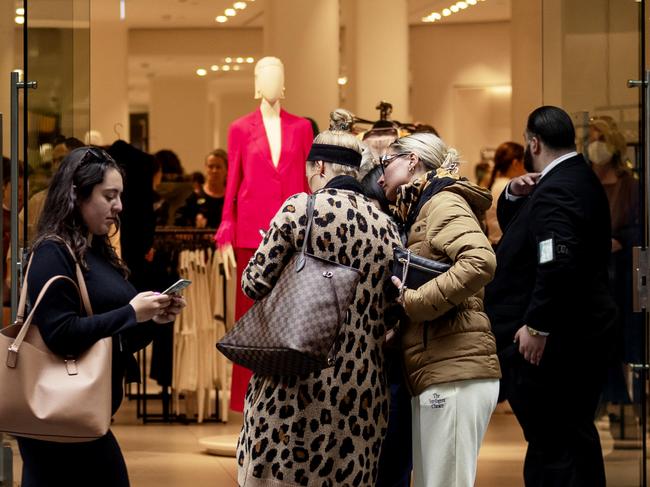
(240, 60)
(236, 67)
(240, 5)
(250, 60)
(454, 8)
(228, 60)
(20, 19)
(446, 12)
(201, 72)
(20, 11)
(230, 12)
(427, 19)
(225, 67)
(214, 67)
(461, 5)
(470, 2)
(436, 16)
(221, 19)
(343, 80)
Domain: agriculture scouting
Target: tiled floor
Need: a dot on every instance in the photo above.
(169, 455)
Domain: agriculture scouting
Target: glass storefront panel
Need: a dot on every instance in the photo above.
(591, 48)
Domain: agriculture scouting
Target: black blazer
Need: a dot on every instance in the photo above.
(552, 261)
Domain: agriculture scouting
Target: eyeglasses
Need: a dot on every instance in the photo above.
(386, 159)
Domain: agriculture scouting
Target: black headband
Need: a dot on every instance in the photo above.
(335, 154)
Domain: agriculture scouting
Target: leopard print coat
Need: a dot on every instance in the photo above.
(325, 428)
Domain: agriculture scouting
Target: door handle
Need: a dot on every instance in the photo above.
(16, 84)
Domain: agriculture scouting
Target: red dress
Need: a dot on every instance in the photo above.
(255, 190)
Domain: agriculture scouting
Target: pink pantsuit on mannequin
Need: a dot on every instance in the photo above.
(255, 190)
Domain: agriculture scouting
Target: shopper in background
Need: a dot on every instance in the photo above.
(172, 169)
(550, 296)
(508, 164)
(396, 460)
(83, 202)
(448, 348)
(203, 208)
(324, 428)
(62, 146)
(160, 204)
(607, 154)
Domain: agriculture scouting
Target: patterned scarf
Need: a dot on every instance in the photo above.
(412, 197)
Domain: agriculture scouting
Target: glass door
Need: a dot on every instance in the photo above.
(44, 99)
(591, 48)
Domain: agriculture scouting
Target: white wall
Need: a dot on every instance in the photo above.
(180, 119)
(445, 59)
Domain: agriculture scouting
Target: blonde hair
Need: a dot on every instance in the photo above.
(432, 152)
(339, 134)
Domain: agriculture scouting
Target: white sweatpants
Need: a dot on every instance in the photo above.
(449, 422)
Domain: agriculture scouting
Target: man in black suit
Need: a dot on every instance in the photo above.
(550, 307)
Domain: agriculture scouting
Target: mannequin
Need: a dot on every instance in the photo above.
(267, 150)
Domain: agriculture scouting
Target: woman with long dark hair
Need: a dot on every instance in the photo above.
(82, 204)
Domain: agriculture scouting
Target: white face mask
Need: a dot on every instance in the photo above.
(599, 153)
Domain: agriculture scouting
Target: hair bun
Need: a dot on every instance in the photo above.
(341, 120)
(451, 161)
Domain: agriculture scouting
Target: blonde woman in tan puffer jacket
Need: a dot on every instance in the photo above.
(448, 348)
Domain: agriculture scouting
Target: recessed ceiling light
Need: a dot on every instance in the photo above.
(436, 16)
(20, 11)
(446, 12)
(471, 2)
(461, 5)
(201, 72)
(343, 80)
(240, 5)
(225, 67)
(454, 8)
(214, 67)
(250, 60)
(230, 12)
(221, 19)
(240, 60)
(20, 19)
(228, 60)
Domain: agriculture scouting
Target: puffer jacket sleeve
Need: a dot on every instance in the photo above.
(277, 247)
(452, 229)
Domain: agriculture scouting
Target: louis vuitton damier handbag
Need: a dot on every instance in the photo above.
(293, 330)
(47, 396)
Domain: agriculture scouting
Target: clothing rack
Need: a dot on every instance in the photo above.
(181, 238)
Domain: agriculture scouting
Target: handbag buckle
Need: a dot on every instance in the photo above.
(71, 366)
(12, 356)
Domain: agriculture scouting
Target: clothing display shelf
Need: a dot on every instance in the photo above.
(177, 239)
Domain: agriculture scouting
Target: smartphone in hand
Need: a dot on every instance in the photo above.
(177, 287)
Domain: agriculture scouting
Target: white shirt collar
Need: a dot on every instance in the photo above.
(557, 162)
(270, 111)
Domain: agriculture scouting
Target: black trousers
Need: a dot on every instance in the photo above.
(555, 404)
(94, 463)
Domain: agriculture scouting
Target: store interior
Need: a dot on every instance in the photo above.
(174, 74)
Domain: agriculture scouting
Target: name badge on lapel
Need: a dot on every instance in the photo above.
(546, 251)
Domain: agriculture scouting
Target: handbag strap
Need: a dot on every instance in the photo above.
(83, 290)
(311, 202)
(14, 348)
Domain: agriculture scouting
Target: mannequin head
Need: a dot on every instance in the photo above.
(269, 79)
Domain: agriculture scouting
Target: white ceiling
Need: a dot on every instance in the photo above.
(201, 13)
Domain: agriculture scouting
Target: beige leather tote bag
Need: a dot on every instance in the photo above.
(46, 396)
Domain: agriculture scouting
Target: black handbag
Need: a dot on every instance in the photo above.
(294, 329)
(413, 270)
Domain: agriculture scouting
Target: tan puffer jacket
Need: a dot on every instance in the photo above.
(449, 337)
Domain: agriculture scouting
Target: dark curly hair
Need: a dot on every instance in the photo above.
(80, 171)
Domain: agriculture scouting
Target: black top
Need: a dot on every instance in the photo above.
(210, 207)
(66, 331)
(552, 263)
